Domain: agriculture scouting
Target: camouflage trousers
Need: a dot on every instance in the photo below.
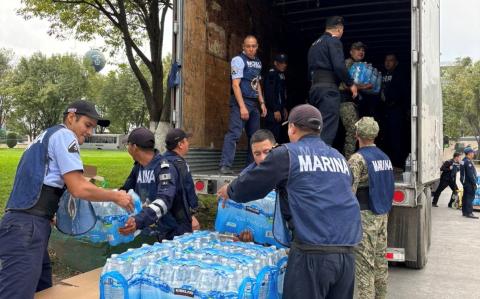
(349, 116)
(371, 266)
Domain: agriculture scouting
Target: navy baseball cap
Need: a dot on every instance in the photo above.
(86, 108)
(174, 136)
(334, 21)
(306, 116)
(282, 58)
(469, 150)
(142, 137)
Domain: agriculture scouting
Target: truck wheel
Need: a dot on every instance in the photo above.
(423, 233)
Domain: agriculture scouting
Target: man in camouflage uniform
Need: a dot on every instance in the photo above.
(373, 183)
(348, 109)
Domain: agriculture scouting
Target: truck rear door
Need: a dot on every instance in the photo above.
(428, 90)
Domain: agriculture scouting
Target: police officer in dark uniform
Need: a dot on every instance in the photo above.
(468, 177)
(51, 163)
(448, 177)
(161, 186)
(276, 95)
(178, 145)
(314, 185)
(326, 66)
(247, 91)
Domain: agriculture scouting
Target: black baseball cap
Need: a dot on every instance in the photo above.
(334, 21)
(358, 45)
(306, 116)
(142, 137)
(174, 136)
(282, 58)
(86, 108)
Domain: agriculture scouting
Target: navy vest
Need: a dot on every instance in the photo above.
(251, 76)
(187, 188)
(31, 172)
(324, 210)
(381, 180)
(146, 179)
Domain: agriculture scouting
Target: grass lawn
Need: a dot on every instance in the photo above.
(114, 166)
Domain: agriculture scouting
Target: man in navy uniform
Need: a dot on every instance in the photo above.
(247, 95)
(276, 95)
(177, 144)
(314, 182)
(468, 177)
(374, 184)
(448, 178)
(161, 184)
(326, 67)
(51, 163)
(261, 143)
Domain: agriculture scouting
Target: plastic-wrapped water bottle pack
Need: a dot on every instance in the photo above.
(256, 216)
(365, 73)
(111, 217)
(197, 265)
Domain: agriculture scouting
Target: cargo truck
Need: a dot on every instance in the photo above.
(208, 33)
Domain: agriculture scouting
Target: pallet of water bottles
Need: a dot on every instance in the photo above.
(196, 265)
(365, 73)
(111, 217)
(255, 216)
(476, 200)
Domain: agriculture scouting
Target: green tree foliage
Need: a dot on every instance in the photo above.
(461, 98)
(128, 24)
(5, 74)
(120, 98)
(41, 88)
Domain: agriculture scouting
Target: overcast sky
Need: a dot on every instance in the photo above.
(460, 32)
(26, 37)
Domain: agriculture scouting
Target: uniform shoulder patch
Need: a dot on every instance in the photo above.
(73, 147)
(164, 165)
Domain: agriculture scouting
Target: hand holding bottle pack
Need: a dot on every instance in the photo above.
(111, 217)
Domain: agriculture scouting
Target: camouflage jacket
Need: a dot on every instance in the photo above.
(359, 169)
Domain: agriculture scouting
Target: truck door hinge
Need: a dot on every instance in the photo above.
(415, 56)
(174, 116)
(414, 165)
(414, 111)
(416, 4)
(175, 27)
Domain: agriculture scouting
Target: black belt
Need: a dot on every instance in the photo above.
(322, 249)
(324, 76)
(47, 204)
(363, 197)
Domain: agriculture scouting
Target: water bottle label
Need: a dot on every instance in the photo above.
(231, 224)
(252, 210)
(183, 292)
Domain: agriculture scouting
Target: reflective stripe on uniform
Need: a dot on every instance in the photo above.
(159, 207)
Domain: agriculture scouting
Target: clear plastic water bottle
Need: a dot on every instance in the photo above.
(408, 163)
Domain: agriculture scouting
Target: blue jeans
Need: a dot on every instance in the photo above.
(25, 265)
(235, 127)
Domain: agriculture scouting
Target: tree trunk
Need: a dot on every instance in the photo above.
(160, 134)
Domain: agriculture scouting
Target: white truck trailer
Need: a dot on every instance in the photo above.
(208, 33)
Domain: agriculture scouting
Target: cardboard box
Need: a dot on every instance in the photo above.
(82, 286)
(90, 173)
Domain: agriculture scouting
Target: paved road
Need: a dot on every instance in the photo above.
(453, 268)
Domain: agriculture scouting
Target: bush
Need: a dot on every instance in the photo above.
(3, 136)
(11, 140)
